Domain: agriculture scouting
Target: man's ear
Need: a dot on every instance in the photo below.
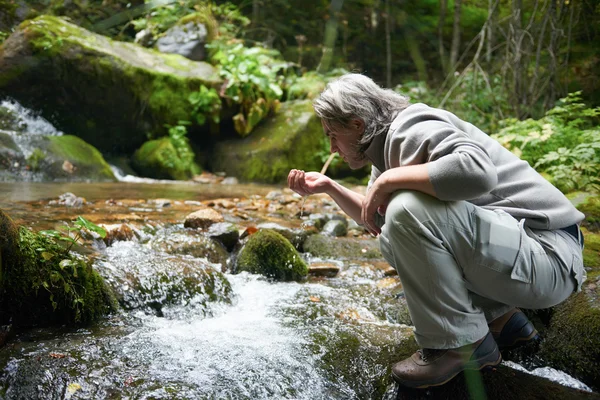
(358, 124)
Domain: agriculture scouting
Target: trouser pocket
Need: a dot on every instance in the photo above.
(498, 245)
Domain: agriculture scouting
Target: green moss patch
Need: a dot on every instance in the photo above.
(572, 342)
(159, 159)
(591, 209)
(269, 253)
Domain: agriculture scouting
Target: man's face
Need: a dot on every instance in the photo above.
(344, 141)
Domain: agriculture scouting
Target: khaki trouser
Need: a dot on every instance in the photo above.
(462, 266)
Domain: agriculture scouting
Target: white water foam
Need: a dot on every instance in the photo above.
(242, 352)
(30, 121)
(551, 374)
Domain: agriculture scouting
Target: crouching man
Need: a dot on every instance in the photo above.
(473, 231)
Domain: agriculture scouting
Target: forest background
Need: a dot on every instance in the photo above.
(525, 71)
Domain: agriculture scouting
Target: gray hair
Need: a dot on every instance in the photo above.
(357, 96)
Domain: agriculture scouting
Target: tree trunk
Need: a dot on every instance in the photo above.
(388, 44)
(443, 9)
(490, 30)
(455, 35)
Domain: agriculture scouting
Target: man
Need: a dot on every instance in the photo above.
(472, 230)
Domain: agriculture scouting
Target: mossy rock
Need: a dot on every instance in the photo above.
(342, 248)
(62, 158)
(194, 245)
(154, 280)
(269, 253)
(292, 138)
(591, 208)
(159, 159)
(572, 341)
(112, 94)
(44, 285)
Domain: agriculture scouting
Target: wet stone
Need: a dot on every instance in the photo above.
(335, 228)
(203, 218)
(226, 233)
(121, 232)
(323, 269)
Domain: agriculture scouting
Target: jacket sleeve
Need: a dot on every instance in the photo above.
(459, 167)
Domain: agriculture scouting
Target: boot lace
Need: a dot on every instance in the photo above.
(427, 354)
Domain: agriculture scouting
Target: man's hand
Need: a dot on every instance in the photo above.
(307, 183)
(376, 200)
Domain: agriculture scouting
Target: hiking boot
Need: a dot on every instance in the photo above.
(512, 329)
(433, 367)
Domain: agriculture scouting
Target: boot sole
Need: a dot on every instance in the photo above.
(469, 366)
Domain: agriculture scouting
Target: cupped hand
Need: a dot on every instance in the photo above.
(307, 183)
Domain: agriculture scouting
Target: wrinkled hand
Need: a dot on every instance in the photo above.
(376, 200)
(306, 183)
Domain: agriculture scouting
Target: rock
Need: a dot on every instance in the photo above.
(193, 245)
(49, 158)
(45, 285)
(68, 200)
(295, 236)
(226, 233)
(292, 138)
(335, 228)
(202, 219)
(268, 253)
(591, 208)
(341, 248)
(154, 281)
(572, 336)
(121, 233)
(323, 269)
(144, 38)
(230, 180)
(187, 40)
(84, 82)
(159, 159)
(160, 203)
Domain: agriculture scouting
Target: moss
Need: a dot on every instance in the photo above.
(591, 208)
(86, 158)
(159, 159)
(205, 18)
(591, 254)
(290, 139)
(269, 253)
(9, 236)
(36, 159)
(572, 342)
(44, 285)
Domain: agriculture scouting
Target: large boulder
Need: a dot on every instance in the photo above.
(292, 138)
(112, 94)
(50, 158)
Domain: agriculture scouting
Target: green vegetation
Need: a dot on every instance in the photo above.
(167, 158)
(44, 283)
(254, 77)
(269, 253)
(564, 144)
